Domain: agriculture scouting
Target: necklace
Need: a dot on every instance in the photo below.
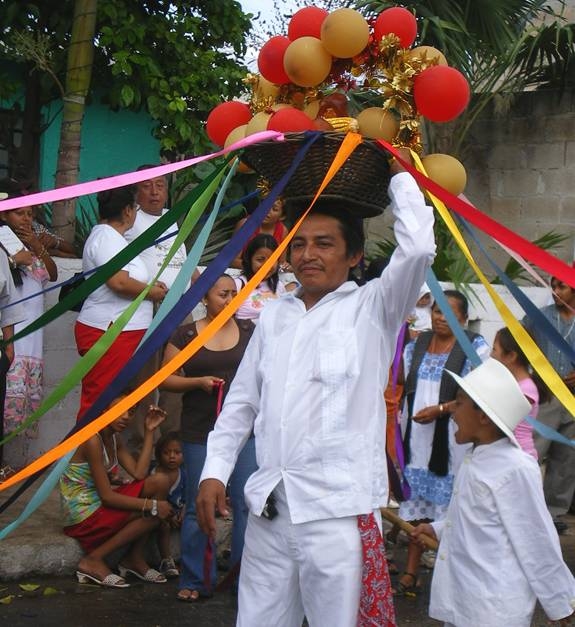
(436, 348)
(560, 324)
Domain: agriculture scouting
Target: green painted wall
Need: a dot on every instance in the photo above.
(113, 142)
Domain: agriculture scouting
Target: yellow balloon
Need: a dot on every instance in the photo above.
(344, 33)
(307, 62)
(266, 89)
(378, 123)
(429, 53)
(258, 123)
(312, 109)
(446, 171)
(238, 133)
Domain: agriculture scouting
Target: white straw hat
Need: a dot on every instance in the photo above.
(492, 386)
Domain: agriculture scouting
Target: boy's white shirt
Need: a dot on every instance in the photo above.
(499, 551)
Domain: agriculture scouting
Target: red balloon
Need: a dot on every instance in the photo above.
(398, 21)
(224, 118)
(441, 93)
(271, 60)
(307, 23)
(290, 120)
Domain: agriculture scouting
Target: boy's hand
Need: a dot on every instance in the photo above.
(423, 528)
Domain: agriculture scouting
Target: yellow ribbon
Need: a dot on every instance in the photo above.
(533, 353)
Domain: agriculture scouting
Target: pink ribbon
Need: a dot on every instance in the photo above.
(120, 180)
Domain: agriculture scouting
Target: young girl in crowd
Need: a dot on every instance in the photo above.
(257, 252)
(169, 460)
(105, 514)
(271, 225)
(509, 353)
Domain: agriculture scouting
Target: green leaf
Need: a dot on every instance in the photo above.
(48, 591)
(127, 95)
(28, 587)
(7, 600)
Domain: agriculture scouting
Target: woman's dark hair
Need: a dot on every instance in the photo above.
(111, 202)
(167, 438)
(263, 240)
(462, 302)
(509, 345)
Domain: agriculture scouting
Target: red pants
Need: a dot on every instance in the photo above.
(109, 365)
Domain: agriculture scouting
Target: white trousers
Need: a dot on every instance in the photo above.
(288, 571)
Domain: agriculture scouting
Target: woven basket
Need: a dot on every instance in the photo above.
(360, 185)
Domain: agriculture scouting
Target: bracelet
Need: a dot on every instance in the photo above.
(144, 507)
(441, 409)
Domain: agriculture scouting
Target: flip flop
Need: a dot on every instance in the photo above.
(150, 576)
(110, 581)
(188, 596)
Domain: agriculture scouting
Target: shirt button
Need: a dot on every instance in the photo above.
(448, 524)
(442, 556)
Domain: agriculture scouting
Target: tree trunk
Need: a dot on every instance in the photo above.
(78, 77)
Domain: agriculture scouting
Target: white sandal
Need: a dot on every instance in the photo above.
(150, 576)
(110, 581)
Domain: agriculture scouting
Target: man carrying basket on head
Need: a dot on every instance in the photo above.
(310, 387)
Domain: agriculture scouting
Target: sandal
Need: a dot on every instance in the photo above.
(188, 596)
(402, 589)
(150, 576)
(392, 567)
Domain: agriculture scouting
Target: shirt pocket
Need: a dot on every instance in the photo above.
(336, 356)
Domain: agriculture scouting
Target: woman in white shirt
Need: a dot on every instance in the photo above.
(104, 305)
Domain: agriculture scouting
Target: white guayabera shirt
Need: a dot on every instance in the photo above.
(311, 384)
(499, 551)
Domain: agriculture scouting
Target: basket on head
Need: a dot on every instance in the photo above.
(360, 185)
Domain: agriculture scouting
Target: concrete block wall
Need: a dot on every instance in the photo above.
(521, 170)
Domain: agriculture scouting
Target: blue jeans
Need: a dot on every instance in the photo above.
(193, 539)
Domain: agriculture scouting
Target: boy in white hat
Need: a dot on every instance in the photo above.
(499, 552)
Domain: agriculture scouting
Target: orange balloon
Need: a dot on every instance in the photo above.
(344, 33)
(307, 62)
(378, 123)
(446, 171)
(429, 53)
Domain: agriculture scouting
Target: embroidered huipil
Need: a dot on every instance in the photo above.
(499, 551)
(311, 384)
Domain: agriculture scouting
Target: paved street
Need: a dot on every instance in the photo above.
(146, 605)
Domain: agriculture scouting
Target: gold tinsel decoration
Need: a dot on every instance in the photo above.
(386, 68)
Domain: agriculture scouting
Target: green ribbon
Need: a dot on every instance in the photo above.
(87, 361)
(145, 240)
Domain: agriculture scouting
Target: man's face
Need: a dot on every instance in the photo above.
(319, 257)
(466, 417)
(152, 195)
(563, 295)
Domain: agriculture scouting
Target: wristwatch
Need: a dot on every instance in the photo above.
(154, 510)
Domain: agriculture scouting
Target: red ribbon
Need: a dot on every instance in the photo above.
(210, 549)
(520, 245)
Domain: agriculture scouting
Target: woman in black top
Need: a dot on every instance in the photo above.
(204, 380)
